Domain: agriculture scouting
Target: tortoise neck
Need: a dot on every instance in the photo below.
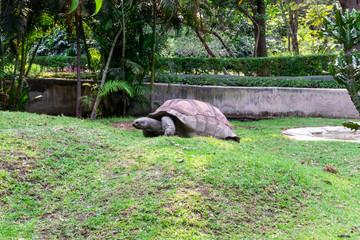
(154, 125)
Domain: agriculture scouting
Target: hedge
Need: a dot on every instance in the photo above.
(250, 81)
(270, 66)
(59, 62)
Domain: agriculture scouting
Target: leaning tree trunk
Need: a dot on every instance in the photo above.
(33, 58)
(256, 27)
(208, 50)
(97, 100)
(226, 47)
(87, 52)
(223, 43)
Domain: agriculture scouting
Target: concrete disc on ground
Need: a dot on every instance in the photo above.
(326, 133)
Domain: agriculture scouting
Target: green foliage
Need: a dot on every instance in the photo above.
(250, 81)
(345, 70)
(75, 4)
(59, 62)
(57, 43)
(114, 86)
(352, 125)
(270, 66)
(70, 75)
(345, 28)
(187, 44)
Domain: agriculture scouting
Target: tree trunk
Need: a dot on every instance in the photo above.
(78, 90)
(123, 56)
(211, 53)
(2, 86)
(33, 57)
(97, 100)
(260, 13)
(21, 76)
(123, 42)
(294, 22)
(2, 64)
(350, 4)
(152, 79)
(256, 27)
(13, 78)
(291, 37)
(202, 40)
(87, 52)
(226, 47)
(223, 43)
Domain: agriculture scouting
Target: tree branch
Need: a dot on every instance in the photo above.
(257, 28)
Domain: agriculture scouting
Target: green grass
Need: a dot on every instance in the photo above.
(64, 178)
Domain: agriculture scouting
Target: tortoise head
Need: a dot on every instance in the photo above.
(148, 124)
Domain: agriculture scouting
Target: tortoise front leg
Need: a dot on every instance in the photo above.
(168, 126)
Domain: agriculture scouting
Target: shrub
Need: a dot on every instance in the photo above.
(59, 62)
(269, 66)
(251, 81)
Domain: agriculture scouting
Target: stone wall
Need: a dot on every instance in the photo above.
(265, 102)
(59, 97)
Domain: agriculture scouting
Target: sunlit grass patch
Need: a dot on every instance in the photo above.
(94, 180)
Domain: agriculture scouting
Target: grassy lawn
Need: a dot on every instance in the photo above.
(64, 178)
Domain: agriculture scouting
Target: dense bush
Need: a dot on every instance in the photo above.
(67, 75)
(59, 63)
(251, 81)
(270, 66)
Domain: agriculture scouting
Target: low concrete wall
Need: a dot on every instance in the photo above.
(59, 97)
(265, 102)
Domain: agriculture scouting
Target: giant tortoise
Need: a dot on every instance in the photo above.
(186, 118)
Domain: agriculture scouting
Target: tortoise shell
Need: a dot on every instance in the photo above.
(196, 118)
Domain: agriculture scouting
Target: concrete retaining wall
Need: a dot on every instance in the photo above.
(59, 97)
(265, 102)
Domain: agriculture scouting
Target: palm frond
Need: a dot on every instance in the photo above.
(141, 89)
(114, 86)
(87, 102)
(135, 67)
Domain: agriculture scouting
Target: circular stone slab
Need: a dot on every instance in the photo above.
(325, 133)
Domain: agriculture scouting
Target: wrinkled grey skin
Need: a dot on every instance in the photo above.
(152, 127)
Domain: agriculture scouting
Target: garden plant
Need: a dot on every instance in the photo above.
(346, 30)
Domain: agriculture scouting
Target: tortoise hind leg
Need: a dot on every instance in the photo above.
(168, 126)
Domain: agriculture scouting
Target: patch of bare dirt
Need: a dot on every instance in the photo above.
(330, 168)
(243, 127)
(23, 165)
(126, 125)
